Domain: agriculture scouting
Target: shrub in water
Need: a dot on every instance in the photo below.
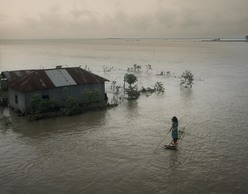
(187, 79)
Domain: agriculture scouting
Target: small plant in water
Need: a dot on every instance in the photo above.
(107, 69)
(187, 79)
(136, 68)
(148, 67)
(159, 87)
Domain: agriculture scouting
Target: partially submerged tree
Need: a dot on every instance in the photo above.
(130, 78)
(187, 79)
(132, 91)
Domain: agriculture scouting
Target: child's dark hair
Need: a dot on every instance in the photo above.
(174, 119)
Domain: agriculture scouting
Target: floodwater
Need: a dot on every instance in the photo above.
(114, 151)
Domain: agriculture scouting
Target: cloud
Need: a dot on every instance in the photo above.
(54, 23)
(137, 18)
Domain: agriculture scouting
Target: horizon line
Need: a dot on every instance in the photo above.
(102, 38)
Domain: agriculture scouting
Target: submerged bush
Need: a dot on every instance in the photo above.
(187, 79)
(132, 92)
(72, 107)
(38, 104)
(91, 94)
(159, 87)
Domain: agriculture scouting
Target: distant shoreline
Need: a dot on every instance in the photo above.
(131, 39)
(221, 40)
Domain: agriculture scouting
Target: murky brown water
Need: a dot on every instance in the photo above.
(112, 151)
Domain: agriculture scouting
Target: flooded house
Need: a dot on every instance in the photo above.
(58, 84)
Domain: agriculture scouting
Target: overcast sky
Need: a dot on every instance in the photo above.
(122, 18)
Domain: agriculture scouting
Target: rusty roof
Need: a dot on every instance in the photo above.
(82, 76)
(31, 80)
(13, 75)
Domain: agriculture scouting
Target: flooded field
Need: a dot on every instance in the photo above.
(112, 151)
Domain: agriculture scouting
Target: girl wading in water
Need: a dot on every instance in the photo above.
(174, 130)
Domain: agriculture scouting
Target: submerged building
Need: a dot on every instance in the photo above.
(57, 84)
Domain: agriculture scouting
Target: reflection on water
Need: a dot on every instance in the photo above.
(174, 160)
(58, 125)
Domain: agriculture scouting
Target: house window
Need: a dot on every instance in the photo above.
(45, 97)
(16, 99)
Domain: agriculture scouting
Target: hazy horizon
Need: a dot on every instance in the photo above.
(136, 38)
(81, 19)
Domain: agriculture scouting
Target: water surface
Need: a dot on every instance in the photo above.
(112, 151)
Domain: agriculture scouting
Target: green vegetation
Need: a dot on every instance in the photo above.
(71, 106)
(159, 87)
(43, 107)
(135, 68)
(132, 91)
(6, 120)
(40, 105)
(130, 79)
(91, 95)
(187, 79)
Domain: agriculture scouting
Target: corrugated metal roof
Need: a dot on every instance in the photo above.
(36, 80)
(31, 80)
(82, 76)
(12, 75)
